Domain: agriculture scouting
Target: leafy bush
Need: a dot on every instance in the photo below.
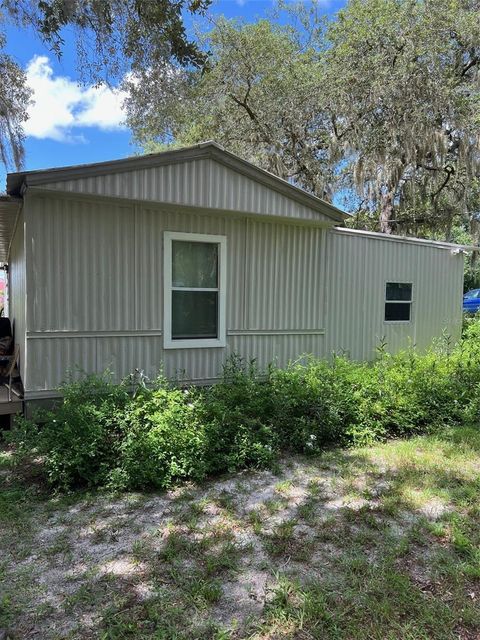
(315, 404)
(80, 438)
(102, 435)
(237, 414)
(161, 440)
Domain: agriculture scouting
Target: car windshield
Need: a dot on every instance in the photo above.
(474, 293)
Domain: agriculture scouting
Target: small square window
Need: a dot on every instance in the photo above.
(398, 302)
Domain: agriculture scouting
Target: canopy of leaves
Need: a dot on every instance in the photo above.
(112, 38)
(382, 102)
(259, 96)
(403, 76)
(14, 99)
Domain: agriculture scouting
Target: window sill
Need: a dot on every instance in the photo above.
(397, 322)
(194, 344)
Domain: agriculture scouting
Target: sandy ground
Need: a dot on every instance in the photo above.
(214, 552)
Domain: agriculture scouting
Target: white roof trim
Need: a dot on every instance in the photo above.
(375, 235)
(17, 181)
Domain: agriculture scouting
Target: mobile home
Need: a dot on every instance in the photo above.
(176, 260)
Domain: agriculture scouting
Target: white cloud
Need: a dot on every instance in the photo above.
(61, 105)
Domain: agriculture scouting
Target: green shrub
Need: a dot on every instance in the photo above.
(80, 439)
(237, 414)
(104, 436)
(314, 404)
(161, 440)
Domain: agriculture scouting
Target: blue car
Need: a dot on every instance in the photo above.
(471, 301)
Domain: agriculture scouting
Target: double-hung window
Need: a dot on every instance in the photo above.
(398, 302)
(194, 290)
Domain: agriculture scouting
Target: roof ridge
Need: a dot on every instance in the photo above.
(17, 181)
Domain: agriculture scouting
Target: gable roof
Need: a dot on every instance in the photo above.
(16, 182)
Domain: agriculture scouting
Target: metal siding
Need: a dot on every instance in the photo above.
(95, 268)
(358, 268)
(150, 226)
(202, 183)
(279, 349)
(80, 272)
(54, 360)
(17, 289)
(285, 282)
(123, 355)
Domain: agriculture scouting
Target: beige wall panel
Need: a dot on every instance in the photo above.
(285, 277)
(95, 269)
(200, 183)
(51, 360)
(150, 227)
(80, 267)
(122, 355)
(358, 268)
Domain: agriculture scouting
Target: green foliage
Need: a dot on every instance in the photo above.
(15, 97)
(379, 103)
(237, 413)
(259, 93)
(315, 403)
(161, 439)
(111, 37)
(80, 438)
(102, 435)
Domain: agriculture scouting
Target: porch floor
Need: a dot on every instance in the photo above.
(9, 407)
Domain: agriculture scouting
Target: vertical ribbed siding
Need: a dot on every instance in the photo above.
(203, 183)
(123, 355)
(81, 274)
(17, 288)
(96, 267)
(285, 281)
(99, 267)
(54, 360)
(149, 228)
(358, 268)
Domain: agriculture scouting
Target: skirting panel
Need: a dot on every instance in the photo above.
(52, 360)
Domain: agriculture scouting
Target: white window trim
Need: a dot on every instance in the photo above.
(410, 302)
(221, 241)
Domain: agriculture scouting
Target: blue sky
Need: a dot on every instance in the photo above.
(72, 123)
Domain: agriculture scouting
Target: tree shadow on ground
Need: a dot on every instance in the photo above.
(373, 543)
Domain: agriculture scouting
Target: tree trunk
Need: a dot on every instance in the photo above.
(475, 233)
(449, 229)
(386, 212)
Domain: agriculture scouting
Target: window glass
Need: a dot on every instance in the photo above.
(399, 291)
(194, 314)
(398, 301)
(194, 264)
(397, 311)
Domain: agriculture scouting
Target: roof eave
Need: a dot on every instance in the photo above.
(439, 244)
(9, 211)
(15, 181)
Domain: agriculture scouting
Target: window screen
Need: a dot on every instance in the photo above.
(398, 302)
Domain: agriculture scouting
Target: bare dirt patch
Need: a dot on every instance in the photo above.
(211, 560)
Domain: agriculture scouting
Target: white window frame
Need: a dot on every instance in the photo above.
(221, 241)
(409, 302)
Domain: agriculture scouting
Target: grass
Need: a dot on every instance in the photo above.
(374, 543)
